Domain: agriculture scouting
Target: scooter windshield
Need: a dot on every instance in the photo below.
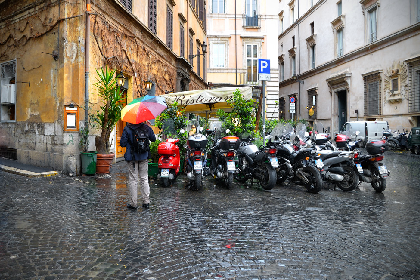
(282, 130)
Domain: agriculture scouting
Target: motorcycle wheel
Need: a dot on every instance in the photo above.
(393, 145)
(198, 184)
(378, 183)
(268, 178)
(282, 174)
(351, 179)
(240, 175)
(314, 177)
(166, 183)
(227, 181)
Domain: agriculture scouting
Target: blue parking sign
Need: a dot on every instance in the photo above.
(264, 69)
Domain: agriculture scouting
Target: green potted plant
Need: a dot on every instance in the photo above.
(107, 116)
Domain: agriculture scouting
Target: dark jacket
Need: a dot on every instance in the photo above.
(128, 137)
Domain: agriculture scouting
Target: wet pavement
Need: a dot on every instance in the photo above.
(79, 228)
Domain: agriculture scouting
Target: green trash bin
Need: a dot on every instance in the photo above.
(153, 169)
(89, 162)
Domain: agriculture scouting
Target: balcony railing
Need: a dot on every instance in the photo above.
(251, 21)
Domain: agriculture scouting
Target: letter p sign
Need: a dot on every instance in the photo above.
(264, 69)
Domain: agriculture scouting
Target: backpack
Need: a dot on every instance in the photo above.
(141, 141)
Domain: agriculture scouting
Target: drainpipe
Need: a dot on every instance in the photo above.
(87, 33)
(236, 52)
(298, 38)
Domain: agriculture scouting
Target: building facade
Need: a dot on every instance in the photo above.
(239, 33)
(49, 54)
(350, 60)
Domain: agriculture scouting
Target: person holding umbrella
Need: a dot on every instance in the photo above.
(136, 114)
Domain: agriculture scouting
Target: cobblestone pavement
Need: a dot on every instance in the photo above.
(79, 228)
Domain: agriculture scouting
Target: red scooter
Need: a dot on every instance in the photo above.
(169, 161)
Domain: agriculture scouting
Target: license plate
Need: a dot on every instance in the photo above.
(164, 173)
(319, 163)
(231, 166)
(359, 168)
(383, 170)
(274, 162)
(198, 165)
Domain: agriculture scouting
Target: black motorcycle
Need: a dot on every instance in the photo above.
(254, 164)
(338, 168)
(223, 154)
(370, 166)
(294, 162)
(298, 166)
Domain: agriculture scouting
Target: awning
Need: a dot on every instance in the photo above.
(206, 100)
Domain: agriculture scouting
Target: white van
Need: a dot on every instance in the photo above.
(368, 130)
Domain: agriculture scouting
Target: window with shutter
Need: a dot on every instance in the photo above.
(372, 94)
(198, 60)
(127, 4)
(169, 27)
(414, 86)
(191, 51)
(181, 41)
(201, 10)
(153, 16)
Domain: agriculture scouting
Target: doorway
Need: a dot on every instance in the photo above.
(342, 108)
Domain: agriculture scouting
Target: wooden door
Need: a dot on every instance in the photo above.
(119, 130)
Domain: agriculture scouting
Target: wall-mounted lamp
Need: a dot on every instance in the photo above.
(203, 48)
(148, 84)
(120, 79)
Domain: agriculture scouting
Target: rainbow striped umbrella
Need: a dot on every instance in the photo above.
(143, 109)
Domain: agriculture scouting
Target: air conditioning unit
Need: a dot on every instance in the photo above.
(8, 93)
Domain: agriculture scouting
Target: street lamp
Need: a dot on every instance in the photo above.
(203, 48)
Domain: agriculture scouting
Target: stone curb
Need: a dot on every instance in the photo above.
(27, 173)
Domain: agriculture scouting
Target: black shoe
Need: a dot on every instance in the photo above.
(145, 205)
(131, 207)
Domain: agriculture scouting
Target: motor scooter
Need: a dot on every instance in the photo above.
(169, 156)
(169, 161)
(196, 159)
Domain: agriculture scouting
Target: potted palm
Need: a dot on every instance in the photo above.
(107, 116)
